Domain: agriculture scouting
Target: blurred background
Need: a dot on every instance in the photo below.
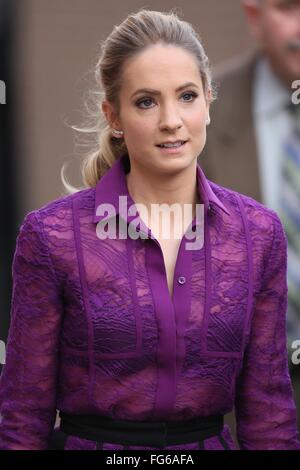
(47, 52)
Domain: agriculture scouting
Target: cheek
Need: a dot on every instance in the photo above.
(278, 30)
(139, 129)
(197, 123)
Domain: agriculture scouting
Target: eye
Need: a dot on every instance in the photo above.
(192, 94)
(144, 100)
(147, 100)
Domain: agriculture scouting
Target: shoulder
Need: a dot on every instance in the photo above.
(233, 81)
(60, 211)
(262, 223)
(235, 68)
(65, 203)
(47, 234)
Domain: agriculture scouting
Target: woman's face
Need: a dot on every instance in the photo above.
(165, 110)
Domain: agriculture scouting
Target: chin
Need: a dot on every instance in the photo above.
(177, 164)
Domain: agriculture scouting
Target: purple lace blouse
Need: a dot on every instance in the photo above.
(94, 329)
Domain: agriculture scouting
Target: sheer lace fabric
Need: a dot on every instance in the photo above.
(94, 329)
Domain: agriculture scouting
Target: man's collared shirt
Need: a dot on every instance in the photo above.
(272, 123)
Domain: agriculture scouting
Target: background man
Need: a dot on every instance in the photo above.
(253, 143)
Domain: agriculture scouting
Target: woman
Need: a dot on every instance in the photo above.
(141, 341)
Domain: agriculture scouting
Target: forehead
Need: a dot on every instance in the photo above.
(160, 65)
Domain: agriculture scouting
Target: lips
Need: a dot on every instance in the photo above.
(174, 149)
(171, 143)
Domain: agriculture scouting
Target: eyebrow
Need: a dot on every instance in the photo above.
(156, 92)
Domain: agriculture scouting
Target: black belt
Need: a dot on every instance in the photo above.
(143, 433)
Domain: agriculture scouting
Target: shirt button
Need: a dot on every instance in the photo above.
(181, 280)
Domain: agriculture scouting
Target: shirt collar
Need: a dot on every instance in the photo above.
(270, 94)
(113, 184)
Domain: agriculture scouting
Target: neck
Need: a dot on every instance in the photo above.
(147, 188)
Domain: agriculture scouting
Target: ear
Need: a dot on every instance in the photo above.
(253, 10)
(208, 96)
(110, 114)
(208, 101)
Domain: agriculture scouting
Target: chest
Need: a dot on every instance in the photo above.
(131, 291)
(169, 250)
(169, 246)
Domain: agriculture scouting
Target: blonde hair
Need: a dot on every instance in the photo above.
(137, 32)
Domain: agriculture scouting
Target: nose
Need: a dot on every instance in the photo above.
(170, 118)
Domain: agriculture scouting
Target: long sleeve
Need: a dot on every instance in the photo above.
(29, 378)
(265, 408)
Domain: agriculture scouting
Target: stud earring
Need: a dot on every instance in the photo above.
(207, 121)
(117, 133)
